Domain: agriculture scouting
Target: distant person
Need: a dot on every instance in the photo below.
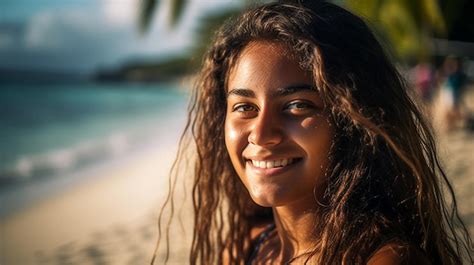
(452, 89)
(423, 81)
(309, 150)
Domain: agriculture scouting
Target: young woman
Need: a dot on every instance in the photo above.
(310, 151)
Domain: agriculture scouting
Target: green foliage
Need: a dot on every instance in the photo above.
(156, 71)
(207, 29)
(148, 7)
(146, 10)
(177, 10)
(408, 25)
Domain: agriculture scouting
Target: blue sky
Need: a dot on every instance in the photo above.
(84, 35)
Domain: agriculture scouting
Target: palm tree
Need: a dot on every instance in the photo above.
(407, 25)
(207, 26)
(148, 7)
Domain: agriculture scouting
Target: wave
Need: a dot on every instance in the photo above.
(66, 160)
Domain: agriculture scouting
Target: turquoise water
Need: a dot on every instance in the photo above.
(50, 129)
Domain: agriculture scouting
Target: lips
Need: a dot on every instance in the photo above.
(273, 163)
(271, 167)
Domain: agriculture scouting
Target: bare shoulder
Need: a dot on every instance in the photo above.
(397, 254)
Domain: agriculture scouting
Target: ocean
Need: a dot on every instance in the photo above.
(51, 132)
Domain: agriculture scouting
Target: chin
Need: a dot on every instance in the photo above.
(267, 198)
(263, 202)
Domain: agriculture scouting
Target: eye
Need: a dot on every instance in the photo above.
(245, 109)
(299, 107)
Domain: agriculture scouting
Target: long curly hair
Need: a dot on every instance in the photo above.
(385, 182)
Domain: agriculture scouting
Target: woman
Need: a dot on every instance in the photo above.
(309, 150)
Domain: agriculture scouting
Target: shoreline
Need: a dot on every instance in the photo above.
(124, 192)
(23, 197)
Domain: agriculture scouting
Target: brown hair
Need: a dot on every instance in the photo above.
(385, 182)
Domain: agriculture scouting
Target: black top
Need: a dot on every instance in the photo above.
(257, 243)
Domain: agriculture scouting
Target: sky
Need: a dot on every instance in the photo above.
(86, 35)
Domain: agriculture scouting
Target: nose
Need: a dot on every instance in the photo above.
(266, 130)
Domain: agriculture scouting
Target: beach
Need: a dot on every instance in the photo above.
(106, 220)
(111, 217)
(457, 155)
(107, 165)
(456, 150)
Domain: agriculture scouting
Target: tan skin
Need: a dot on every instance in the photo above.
(273, 114)
(278, 136)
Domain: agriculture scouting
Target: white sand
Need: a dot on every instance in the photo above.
(121, 196)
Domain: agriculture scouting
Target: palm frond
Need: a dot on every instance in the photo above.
(177, 10)
(146, 11)
(407, 24)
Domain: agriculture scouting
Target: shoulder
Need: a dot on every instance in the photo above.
(398, 254)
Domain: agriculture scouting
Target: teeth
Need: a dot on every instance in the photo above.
(272, 164)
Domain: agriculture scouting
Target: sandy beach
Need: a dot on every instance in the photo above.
(456, 150)
(111, 218)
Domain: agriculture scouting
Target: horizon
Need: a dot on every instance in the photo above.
(85, 36)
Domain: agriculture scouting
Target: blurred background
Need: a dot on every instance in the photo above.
(93, 98)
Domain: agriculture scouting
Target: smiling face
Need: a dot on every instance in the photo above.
(277, 131)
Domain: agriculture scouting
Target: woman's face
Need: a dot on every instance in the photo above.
(277, 131)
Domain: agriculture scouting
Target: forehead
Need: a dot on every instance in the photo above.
(268, 47)
(263, 52)
(267, 64)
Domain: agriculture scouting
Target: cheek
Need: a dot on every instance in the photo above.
(315, 135)
(232, 134)
(311, 123)
(306, 132)
(235, 140)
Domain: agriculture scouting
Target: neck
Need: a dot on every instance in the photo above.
(296, 225)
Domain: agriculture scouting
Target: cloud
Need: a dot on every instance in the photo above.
(40, 33)
(120, 11)
(68, 28)
(71, 38)
(100, 34)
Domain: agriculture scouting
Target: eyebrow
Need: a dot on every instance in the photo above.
(280, 92)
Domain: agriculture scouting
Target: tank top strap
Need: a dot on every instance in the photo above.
(257, 243)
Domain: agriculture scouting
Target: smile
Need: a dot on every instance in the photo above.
(267, 164)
